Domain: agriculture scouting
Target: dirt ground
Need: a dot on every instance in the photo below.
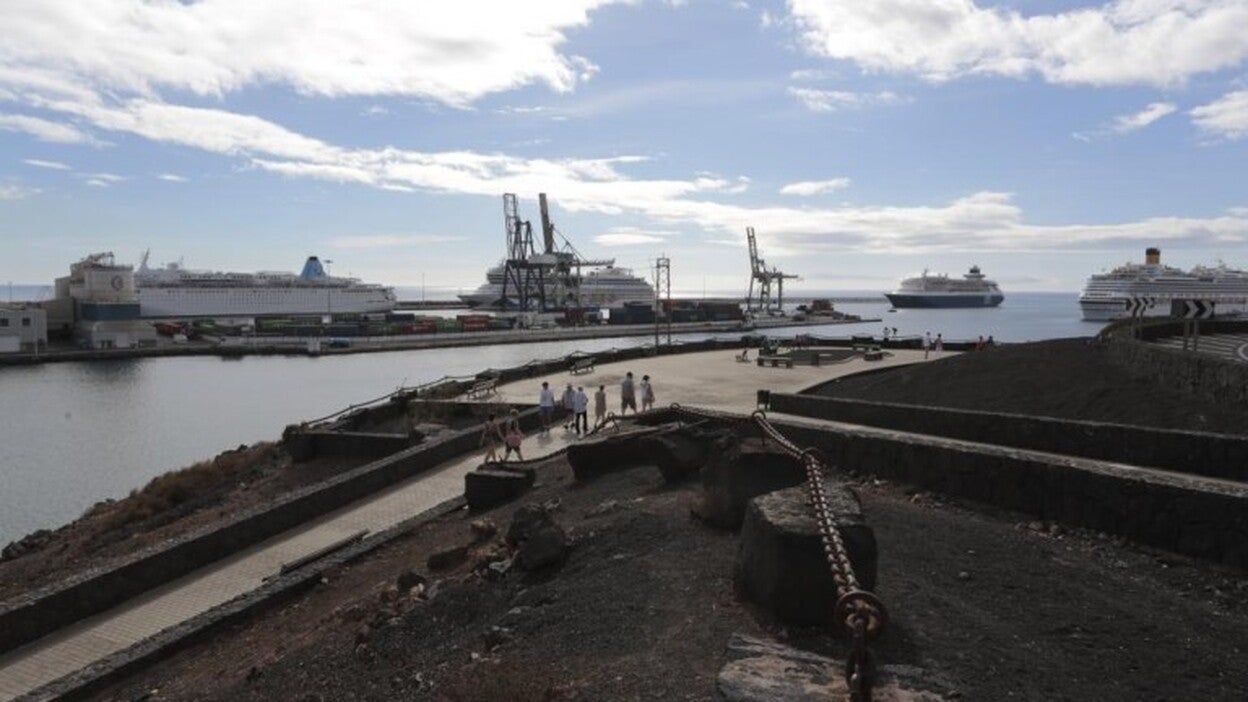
(1070, 378)
(992, 607)
(179, 502)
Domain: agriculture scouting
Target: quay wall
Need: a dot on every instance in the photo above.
(47, 609)
(1199, 453)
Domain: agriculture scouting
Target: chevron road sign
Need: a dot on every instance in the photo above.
(1194, 309)
(1137, 305)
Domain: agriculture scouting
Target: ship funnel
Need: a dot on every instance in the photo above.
(1152, 256)
(313, 270)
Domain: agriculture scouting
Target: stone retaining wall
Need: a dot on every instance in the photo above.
(1200, 453)
(43, 611)
(320, 442)
(1192, 515)
(1218, 379)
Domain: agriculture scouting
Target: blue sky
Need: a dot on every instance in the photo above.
(863, 140)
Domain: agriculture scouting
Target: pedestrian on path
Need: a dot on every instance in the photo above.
(580, 413)
(927, 344)
(600, 406)
(512, 436)
(628, 395)
(491, 438)
(569, 401)
(940, 345)
(647, 394)
(546, 405)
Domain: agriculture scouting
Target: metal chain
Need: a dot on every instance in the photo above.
(861, 613)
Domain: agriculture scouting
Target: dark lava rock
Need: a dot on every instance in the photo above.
(606, 454)
(540, 540)
(781, 564)
(448, 558)
(30, 543)
(409, 579)
(680, 454)
(739, 471)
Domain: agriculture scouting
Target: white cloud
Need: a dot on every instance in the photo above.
(40, 163)
(1138, 120)
(388, 241)
(1226, 117)
(172, 178)
(1126, 42)
(815, 187)
(453, 53)
(13, 191)
(101, 180)
(44, 130)
(631, 236)
(833, 100)
(810, 75)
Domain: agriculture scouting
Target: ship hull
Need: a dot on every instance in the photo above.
(172, 302)
(942, 301)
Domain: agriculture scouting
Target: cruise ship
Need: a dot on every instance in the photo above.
(1106, 295)
(173, 292)
(601, 287)
(972, 290)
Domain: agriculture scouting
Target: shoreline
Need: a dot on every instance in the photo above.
(298, 346)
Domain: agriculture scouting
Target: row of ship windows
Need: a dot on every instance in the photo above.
(4, 321)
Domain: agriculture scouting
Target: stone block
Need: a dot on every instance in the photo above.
(781, 564)
(741, 471)
(493, 484)
(765, 671)
(606, 454)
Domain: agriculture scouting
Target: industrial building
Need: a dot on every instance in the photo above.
(23, 328)
(98, 303)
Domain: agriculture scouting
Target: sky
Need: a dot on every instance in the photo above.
(864, 140)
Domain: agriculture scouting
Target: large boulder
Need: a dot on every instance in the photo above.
(736, 472)
(539, 540)
(781, 564)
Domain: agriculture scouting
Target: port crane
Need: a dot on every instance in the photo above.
(539, 281)
(759, 274)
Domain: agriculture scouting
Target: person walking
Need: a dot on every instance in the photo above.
(491, 438)
(940, 345)
(546, 405)
(628, 395)
(580, 411)
(600, 406)
(569, 401)
(647, 394)
(512, 436)
(927, 344)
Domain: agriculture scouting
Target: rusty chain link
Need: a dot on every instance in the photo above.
(861, 613)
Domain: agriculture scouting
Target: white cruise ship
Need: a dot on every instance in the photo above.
(601, 287)
(926, 290)
(173, 292)
(1106, 295)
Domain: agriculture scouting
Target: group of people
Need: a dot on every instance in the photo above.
(575, 402)
(931, 345)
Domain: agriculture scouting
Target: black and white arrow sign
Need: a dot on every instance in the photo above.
(1137, 305)
(1197, 309)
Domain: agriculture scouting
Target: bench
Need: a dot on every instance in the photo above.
(775, 361)
(582, 365)
(483, 388)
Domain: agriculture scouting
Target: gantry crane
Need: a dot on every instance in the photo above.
(764, 303)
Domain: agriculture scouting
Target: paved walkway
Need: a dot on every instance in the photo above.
(81, 644)
(712, 379)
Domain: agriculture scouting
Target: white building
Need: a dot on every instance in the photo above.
(104, 303)
(23, 328)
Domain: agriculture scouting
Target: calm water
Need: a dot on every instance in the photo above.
(74, 433)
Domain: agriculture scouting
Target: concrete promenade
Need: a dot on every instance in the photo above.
(713, 380)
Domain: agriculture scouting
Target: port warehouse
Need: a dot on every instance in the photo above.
(399, 322)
